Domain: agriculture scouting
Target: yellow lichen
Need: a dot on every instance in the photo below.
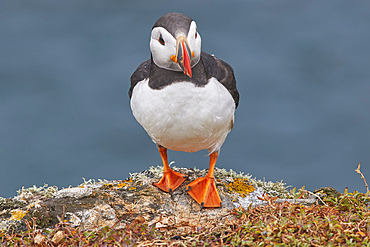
(121, 185)
(240, 186)
(18, 214)
(125, 183)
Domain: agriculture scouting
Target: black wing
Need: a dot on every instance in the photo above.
(140, 74)
(223, 72)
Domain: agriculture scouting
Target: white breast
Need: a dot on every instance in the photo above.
(183, 117)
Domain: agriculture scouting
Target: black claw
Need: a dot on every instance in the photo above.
(188, 188)
(170, 191)
(185, 176)
(201, 206)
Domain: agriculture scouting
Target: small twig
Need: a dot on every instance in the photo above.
(34, 223)
(120, 219)
(151, 243)
(362, 176)
(29, 228)
(309, 192)
(64, 210)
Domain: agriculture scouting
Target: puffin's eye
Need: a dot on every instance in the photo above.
(161, 40)
(196, 32)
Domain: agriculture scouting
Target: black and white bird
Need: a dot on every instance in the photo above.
(185, 99)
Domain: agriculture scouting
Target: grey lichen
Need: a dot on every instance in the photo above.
(2, 201)
(92, 182)
(272, 189)
(223, 173)
(45, 191)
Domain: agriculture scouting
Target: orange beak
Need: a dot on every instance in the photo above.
(183, 55)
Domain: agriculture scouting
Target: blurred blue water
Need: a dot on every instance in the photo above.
(302, 69)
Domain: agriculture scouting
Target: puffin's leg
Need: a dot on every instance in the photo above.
(171, 179)
(203, 189)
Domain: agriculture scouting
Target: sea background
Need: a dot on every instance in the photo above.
(302, 70)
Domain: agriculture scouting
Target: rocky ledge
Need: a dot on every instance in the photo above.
(95, 204)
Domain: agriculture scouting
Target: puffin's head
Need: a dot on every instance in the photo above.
(175, 43)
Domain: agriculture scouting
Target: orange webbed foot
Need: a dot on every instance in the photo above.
(170, 181)
(204, 191)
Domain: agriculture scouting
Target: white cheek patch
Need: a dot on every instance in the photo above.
(162, 53)
(194, 43)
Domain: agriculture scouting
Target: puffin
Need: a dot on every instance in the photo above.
(185, 100)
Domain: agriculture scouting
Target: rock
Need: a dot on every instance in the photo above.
(57, 238)
(74, 192)
(328, 192)
(114, 203)
(39, 238)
